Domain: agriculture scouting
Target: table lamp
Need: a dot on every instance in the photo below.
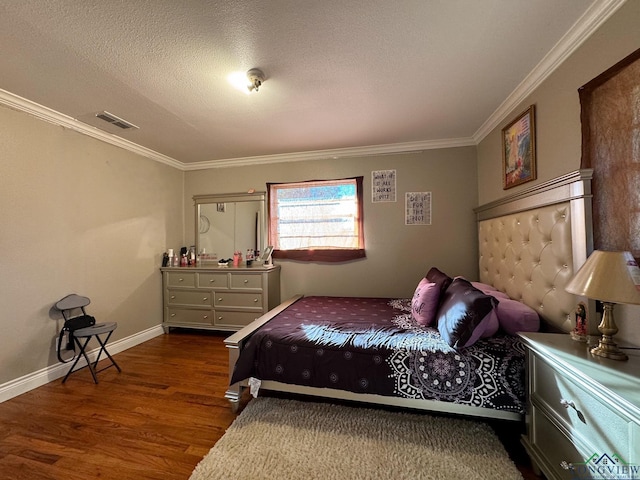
(611, 277)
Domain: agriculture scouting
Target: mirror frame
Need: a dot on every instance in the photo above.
(199, 200)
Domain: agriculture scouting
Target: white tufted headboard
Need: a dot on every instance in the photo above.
(531, 244)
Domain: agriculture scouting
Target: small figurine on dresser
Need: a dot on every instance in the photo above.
(579, 333)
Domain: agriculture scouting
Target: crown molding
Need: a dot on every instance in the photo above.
(19, 103)
(595, 16)
(48, 115)
(591, 20)
(335, 153)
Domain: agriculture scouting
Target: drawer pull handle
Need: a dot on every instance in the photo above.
(204, 299)
(173, 297)
(246, 281)
(181, 279)
(568, 403)
(173, 315)
(211, 281)
(220, 299)
(567, 466)
(219, 318)
(205, 317)
(255, 300)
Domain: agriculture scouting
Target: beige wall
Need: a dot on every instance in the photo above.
(77, 215)
(558, 121)
(398, 256)
(558, 139)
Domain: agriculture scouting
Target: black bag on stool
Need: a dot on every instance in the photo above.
(69, 327)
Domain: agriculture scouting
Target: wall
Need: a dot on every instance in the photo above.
(78, 215)
(559, 137)
(398, 256)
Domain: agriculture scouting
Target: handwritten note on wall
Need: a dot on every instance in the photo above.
(417, 208)
(383, 186)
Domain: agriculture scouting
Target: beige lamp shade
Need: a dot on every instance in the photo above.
(608, 277)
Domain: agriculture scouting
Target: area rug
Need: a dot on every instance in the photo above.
(284, 439)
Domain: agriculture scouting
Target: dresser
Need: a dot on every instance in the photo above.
(583, 417)
(218, 298)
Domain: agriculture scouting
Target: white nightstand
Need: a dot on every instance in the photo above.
(583, 412)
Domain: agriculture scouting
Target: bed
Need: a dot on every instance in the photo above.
(381, 351)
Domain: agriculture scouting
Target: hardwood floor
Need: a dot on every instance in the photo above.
(155, 420)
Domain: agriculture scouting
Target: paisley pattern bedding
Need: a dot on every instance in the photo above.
(372, 345)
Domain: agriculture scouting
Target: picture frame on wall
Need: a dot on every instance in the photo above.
(519, 149)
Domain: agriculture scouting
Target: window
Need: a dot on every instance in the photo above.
(610, 106)
(319, 220)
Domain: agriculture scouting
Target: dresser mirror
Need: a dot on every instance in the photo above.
(226, 223)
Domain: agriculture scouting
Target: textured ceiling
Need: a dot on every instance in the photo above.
(342, 75)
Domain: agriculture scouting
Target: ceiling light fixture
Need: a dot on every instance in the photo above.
(256, 79)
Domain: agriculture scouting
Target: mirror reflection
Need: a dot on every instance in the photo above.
(229, 223)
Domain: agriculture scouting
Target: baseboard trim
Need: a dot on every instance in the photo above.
(42, 377)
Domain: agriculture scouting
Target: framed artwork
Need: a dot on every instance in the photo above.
(519, 149)
(383, 186)
(417, 207)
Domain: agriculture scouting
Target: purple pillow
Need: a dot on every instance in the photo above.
(461, 311)
(487, 327)
(484, 287)
(515, 316)
(441, 279)
(424, 303)
(490, 290)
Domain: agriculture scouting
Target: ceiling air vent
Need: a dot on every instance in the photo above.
(115, 121)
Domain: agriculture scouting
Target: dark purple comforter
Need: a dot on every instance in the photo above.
(372, 345)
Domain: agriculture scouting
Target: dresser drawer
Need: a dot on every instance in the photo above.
(240, 300)
(201, 298)
(190, 317)
(213, 280)
(181, 279)
(582, 409)
(213, 298)
(239, 281)
(588, 417)
(558, 449)
(235, 319)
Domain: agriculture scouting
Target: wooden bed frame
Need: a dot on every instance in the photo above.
(530, 245)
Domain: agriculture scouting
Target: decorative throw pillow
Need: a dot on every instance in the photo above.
(461, 311)
(483, 287)
(489, 290)
(487, 327)
(515, 316)
(441, 279)
(424, 303)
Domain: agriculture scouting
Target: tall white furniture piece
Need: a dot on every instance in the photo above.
(215, 298)
(583, 418)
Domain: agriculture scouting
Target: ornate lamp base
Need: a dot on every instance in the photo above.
(607, 348)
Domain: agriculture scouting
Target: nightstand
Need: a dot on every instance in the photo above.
(583, 412)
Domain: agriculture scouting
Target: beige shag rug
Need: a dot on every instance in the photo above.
(283, 439)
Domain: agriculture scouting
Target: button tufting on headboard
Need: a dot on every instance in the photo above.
(532, 241)
(529, 259)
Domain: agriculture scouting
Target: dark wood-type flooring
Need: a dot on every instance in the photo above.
(155, 420)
